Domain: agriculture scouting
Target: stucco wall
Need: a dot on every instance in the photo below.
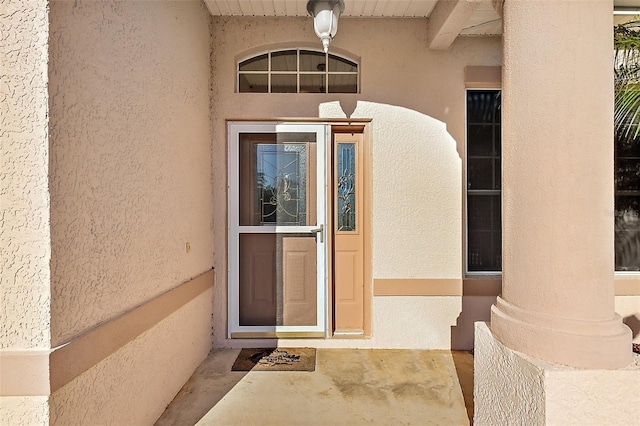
(134, 385)
(130, 187)
(413, 156)
(417, 187)
(130, 155)
(513, 388)
(628, 307)
(24, 410)
(24, 197)
(24, 193)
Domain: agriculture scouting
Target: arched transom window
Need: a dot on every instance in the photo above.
(297, 71)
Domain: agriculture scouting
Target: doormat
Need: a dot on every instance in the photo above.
(275, 359)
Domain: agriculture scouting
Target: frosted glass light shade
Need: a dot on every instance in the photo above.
(325, 18)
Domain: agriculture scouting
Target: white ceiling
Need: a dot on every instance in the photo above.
(483, 21)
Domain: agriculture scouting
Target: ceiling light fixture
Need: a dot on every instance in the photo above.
(325, 18)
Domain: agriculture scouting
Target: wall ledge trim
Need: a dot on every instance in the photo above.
(24, 372)
(476, 286)
(71, 359)
(627, 287)
(42, 372)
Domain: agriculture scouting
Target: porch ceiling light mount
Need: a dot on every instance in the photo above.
(325, 18)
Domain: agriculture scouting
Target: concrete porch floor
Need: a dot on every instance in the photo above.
(349, 387)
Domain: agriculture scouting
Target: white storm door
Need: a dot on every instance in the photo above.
(277, 198)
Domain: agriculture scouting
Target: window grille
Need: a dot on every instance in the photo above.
(297, 71)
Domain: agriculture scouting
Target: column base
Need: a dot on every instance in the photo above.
(513, 388)
(581, 344)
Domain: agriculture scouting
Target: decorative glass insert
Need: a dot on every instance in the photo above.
(297, 71)
(627, 201)
(346, 187)
(281, 182)
(484, 221)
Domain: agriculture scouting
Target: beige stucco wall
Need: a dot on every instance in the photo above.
(130, 155)
(134, 385)
(513, 388)
(24, 193)
(416, 98)
(24, 199)
(414, 163)
(628, 307)
(24, 410)
(130, 187)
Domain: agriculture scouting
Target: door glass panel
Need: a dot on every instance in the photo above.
(346, 186)
(277, 180)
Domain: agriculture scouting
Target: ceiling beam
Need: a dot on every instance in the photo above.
(446, 21)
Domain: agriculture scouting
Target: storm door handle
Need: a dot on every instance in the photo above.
(319, 231)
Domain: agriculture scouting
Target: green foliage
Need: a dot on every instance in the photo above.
(627, 80)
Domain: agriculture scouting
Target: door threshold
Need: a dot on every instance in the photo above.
(353, 333)
(277, 334)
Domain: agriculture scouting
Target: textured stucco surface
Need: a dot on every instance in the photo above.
(130, 155)
(499, 371)
(414, 163)
(24, 410)
(134, 385)
(534, 392)
(397, 69)
(24, 194)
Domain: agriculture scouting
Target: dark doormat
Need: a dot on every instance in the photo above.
(275, 359)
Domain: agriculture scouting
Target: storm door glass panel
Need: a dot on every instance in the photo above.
(278, 280)
(276, 178)
(278, 273)
(346, 187)
(281, 179)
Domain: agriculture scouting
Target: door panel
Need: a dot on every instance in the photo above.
(348, 202)
(300, 295)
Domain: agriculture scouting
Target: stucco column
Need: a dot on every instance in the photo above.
(557, 300)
